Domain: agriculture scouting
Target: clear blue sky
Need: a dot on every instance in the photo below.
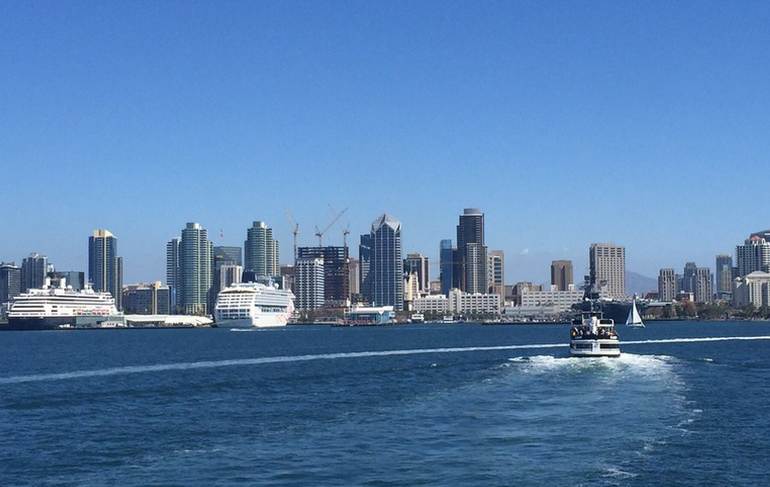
(642, 123)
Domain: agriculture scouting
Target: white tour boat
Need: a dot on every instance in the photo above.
(592, 335)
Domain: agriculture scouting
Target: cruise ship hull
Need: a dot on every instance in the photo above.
(264, 320)
(47, 323)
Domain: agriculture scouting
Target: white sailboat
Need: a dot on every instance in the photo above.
(634, 318)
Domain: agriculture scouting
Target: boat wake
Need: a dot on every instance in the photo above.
(626, 359)
(641, 365)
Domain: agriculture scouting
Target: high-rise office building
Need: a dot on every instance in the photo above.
(607, 263)
(703, 285)
(667, 285)
(496, 273)
(10, 281)
(146, 299)
(364, 267)
(261, 251)
(446, 265)
(472, 252)
(387, 266)
(561, 274)
(336, 272)
(724, 274)
(753, 255)
(104, 265)
(33, 271)
(309, 283)
(172, 273)
(194, 270)
(418, 264)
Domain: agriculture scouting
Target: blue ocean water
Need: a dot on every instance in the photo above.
(411, 405)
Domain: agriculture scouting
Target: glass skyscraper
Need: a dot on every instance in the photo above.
(387, 265)
(446, 265)
(104, 266)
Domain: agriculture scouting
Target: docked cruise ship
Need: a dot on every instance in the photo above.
(52, 307)
(252, 304)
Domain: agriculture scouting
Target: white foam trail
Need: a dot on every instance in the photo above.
(138, 369)
(257, 361)
(694, 340)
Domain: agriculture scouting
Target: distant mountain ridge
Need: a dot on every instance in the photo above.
(639, 284)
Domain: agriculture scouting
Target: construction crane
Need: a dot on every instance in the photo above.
(320, 233)
(294, 231)
(345, 234)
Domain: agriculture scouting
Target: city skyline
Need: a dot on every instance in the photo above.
(563, 137)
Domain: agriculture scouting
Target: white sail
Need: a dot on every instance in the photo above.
(634, 318)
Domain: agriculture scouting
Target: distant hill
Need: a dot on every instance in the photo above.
(639, 284)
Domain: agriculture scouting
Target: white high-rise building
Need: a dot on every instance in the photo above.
(753, 255)
(608, 269)
(752, 289)
(309, 283)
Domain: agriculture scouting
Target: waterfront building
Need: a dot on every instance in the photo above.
(703, 286)
(172, 272)
(446, 265)
(462, 303)
(434, 304)
(194, 271)
(418, 263)
(753, 255)
(471, 252)
(147, 299)
(667, 285)
(724, 276)
(561, 274)
(752, 290)
(261, 251)
(458, 303)
(387, 266)
(364, 267)
(309, 283)
(607, 263)
(336, 273)
(33, 272)
(105, 271)
(496, 273)
(553, 298)
(10, 282)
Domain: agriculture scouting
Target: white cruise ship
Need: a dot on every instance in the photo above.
(60, 307)
(252, 304)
